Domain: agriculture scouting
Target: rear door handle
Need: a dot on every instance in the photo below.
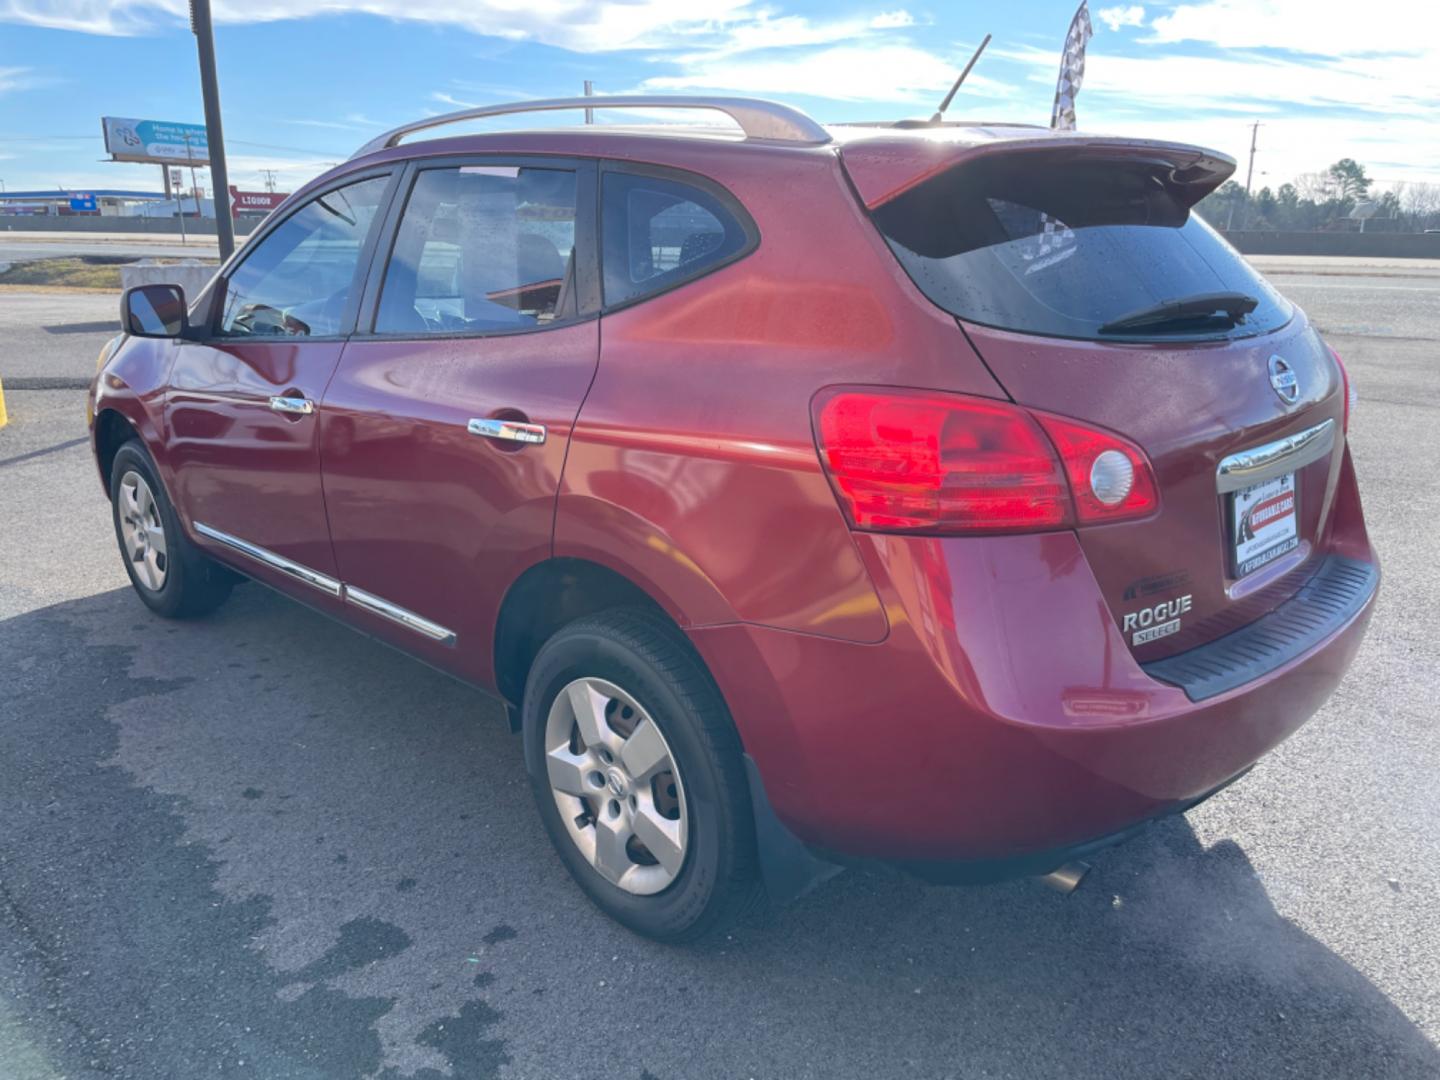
(508, 430)
(296, 406)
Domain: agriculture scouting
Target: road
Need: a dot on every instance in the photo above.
(259, 845)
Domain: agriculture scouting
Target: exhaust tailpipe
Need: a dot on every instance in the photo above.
(1067, 878)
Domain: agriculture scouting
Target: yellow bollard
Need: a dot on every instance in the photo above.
(4, 419)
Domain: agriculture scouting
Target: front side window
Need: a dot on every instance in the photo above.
(299, 279)
(482, 249)
(659, 232)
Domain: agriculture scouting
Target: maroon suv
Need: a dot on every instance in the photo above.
(945, 495)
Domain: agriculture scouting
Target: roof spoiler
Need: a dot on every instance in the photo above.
(887, 166)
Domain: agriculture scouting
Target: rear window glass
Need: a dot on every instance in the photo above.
(1063, 248)
(658, 233)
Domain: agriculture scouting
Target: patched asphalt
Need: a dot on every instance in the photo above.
(260, 845)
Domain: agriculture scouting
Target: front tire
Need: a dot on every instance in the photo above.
(637, 772)
(169, 573)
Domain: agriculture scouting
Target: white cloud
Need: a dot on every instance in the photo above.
(579, 25)
(1116, 17)
(888, 73)
(15, 78)
(1321, 27)
(892, 20)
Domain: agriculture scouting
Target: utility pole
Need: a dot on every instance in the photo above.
(269, 175)
(204, 33)
(1249, 175)
(1250, 172)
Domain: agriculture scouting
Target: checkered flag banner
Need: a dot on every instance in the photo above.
(1055, 241)
(1072, 69)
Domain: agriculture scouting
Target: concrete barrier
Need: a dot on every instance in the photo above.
(244, 225)
(191, 275)
(1361, 245)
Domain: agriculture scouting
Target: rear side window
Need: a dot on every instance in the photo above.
(660, 232)
(482, 249)
(1066, 247)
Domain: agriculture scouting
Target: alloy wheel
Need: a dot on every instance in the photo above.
(142, 531)
(617, 786)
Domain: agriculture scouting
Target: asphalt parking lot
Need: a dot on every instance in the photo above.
(260, 845)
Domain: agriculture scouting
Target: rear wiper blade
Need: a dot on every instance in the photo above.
(1234, 304)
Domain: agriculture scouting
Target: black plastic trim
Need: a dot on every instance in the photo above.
(1329, 600)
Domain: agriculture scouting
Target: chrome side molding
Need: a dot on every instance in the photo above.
(395, 613)
(332, 587)
(1261, 463)
(324, 582)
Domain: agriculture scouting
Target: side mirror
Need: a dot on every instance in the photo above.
(154, 311)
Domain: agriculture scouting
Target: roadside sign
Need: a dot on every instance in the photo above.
(83, 202)
(255, 202)
(155, 140)
(176, 178)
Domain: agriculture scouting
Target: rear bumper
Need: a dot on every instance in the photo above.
(1003, 725)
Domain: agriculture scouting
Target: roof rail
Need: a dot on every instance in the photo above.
(757, 118)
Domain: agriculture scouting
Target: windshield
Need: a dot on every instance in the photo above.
(1063, 248)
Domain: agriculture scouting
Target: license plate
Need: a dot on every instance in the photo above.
(1264, 523)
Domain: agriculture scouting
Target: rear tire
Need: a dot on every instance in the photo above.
(651, 812)
(169, 573)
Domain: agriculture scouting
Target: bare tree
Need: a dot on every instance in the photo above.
(1420, 202)
(1313, 187)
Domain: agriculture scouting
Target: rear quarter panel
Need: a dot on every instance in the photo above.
(692, 468)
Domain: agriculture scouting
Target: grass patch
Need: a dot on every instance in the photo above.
(73, 273)
(99, 272)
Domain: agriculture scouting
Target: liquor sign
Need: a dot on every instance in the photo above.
(155, 140)
(255, 202)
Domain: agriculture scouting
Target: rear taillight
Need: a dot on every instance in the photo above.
(1347, 388)
(908, 461)
(1109, 476)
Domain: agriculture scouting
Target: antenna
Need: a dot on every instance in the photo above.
(940, 112)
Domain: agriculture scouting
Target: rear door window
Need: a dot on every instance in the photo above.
(659, 232)
(482, 249)
(1064, 248)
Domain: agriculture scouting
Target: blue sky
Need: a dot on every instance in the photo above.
(304, 82)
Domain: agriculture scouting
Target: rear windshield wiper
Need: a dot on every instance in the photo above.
(1235, 305)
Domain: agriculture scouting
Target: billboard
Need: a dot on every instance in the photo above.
(155, 140)
(255, 202)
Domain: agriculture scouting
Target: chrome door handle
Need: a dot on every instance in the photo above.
(509, 430)
(297, 406)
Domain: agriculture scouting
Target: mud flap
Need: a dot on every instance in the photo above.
(788, 867)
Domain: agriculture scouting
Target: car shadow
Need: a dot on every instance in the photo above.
(260, 845)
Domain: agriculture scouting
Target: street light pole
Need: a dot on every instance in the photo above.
(214, 134)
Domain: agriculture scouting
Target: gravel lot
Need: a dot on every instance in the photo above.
(262, 846)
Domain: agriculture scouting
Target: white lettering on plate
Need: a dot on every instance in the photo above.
(1156, 632)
